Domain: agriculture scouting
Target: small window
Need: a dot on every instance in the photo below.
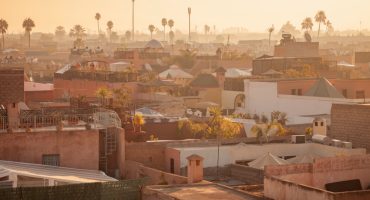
(51, 159)
(197, 162)
(360, 94)
(316, 123)
(299, 92)
(322, 123)
(344, 92)
(13, 105)
(293, 92)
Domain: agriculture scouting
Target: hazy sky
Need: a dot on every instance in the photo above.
(255, 15)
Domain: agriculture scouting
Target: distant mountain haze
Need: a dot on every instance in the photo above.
(253, 15)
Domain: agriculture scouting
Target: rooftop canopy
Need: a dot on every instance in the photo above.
(63, 174)
(323, 88)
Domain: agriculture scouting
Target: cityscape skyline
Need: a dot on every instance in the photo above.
(48, 15)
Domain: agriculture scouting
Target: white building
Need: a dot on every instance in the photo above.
(262, 97)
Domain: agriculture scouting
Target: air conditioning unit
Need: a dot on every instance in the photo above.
(336, 143)
(298, 139)
(347, 145)
(322, 139)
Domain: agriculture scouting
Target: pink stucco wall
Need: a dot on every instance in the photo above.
(135, 170)
(77, 149)
(307, 181)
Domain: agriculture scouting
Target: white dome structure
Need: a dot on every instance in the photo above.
(154, 44)
(174, 72)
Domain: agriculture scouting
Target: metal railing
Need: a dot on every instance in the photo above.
(96, 118)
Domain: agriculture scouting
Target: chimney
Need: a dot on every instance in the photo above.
(195, 168)
(319, 126)
(220, 75)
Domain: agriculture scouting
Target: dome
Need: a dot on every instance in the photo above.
(154, 44)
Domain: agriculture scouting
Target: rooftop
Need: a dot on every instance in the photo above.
(197, 191)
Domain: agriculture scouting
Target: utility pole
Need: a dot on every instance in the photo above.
(133, 20)
(189, 12)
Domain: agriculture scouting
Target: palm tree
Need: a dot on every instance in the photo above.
(270, 30)
(103, 93)
(60, 32)
(78, 32)
(109, 27)
(171, 23)
(133, 19)
(207, 29)
(151, 29)
(329, 27)
(138, 121)
(172, 36)
(97, 17)
(28, 24)
(164, 24)
(128, 35)
(307, 24)
(320, 17)
(3, 29)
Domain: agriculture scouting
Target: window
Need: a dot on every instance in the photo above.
(360, 94)
(197, 162)
(172, 165)
(299, 92)
(344, 92)
(316, 123)
(51, 159)
(293, 92)
(322, 123)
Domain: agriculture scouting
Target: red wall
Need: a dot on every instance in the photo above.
(39, 96)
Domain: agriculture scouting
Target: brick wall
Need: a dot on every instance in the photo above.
(11, 86)
(351, 123)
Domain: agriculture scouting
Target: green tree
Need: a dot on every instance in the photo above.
(3, 29)
(122, 96)
(78, 32)
(103, 93)
(186, 59)
(28, 24)
(320, 18)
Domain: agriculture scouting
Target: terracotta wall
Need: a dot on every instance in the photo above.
(307, 181)
(77, 149)
(81, 87)
(134, 170)
(39, 96)
(175, 155)
(151, 154)
(350, 85)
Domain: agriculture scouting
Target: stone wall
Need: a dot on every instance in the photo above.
(351, 123)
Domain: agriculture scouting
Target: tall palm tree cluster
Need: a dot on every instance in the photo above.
(321, 19)
(3, 29)
(164, 22)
